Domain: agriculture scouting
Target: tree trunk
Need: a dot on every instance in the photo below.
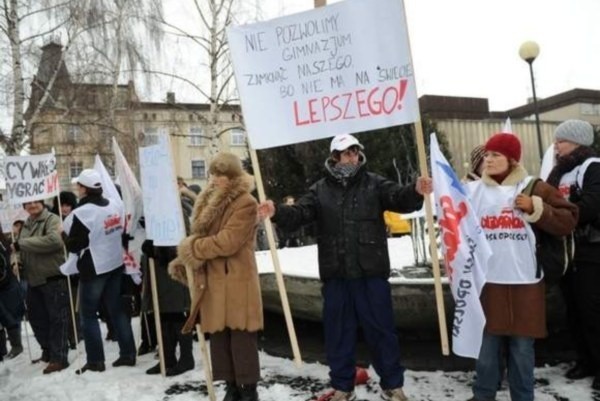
(15, 143)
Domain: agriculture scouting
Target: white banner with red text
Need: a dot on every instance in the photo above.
(466, 252)
(30, 178)
(337, 69)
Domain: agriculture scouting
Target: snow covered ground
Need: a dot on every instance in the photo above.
(282, 380)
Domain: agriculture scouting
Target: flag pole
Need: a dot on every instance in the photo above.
(275, 256)
(437, 281)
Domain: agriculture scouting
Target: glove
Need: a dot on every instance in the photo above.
(148, 248)
(125, 238)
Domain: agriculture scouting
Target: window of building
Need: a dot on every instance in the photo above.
(588, 109)
(198, 169)
(196, 138)
(150, 136)
(238, 137)
(75, 168)
(74, 133)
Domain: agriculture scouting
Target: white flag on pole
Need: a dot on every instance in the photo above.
(109, 190)
(466, 252)
(130, 189)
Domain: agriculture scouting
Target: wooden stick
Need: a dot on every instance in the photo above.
(155, 303)
(203, 349)
(274, 255)
(437, 281)
(75, 333)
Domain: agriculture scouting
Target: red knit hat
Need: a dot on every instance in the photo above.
(505, 144)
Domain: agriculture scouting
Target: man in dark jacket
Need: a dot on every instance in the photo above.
(347, 208)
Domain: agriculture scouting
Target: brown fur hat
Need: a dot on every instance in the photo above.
(226, 164)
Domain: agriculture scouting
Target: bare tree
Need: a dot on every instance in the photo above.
(209, 35)
(105, 29)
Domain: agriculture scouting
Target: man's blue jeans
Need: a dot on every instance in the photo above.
(105, 288)
(520, 365)
(366, 303)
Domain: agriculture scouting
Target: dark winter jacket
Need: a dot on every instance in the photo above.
(12, 305)
(588, 201)
(173, 296)
(520, 309)
(351, 232)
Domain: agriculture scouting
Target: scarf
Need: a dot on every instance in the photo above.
(344, 172)
(566, 163)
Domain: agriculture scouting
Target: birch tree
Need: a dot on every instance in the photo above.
(212, 17)
(104, 30)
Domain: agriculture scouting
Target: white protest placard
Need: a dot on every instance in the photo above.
(30, 178)
(162, 207)
(338, 69)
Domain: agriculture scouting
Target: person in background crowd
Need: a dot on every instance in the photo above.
(347, 207)
(577, 176)
(220, 251)
(12, 306)
(476, 164)
(289, 239)
(68, 202)
(513, 298)
(174, 305)
(94, 233)
(41, 252)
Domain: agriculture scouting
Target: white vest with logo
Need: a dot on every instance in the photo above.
(105, 224)
(511, 238)
(575, 176)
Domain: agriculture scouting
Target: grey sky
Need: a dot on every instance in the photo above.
(470, 47)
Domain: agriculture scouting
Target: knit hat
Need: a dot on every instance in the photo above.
(68, 198)
(477, 157)
(505, 144)
(576, 131)
(226, 164)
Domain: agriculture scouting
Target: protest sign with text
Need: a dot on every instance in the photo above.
(162, 207)
(338, 69)
(30, 178)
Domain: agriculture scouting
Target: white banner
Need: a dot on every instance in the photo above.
(30, 178)
(130, 189)
(109, 190)
(466, 252)
(134, 209)
(337, 69)
(9, 214)
(162, 206)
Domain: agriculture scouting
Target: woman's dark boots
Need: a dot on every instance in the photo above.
(14, 337)
(231, 392)
(247, 392)
(186, 358)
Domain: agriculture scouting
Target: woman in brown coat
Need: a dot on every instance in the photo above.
(513, 297)
(220, 251)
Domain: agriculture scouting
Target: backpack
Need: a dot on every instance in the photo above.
(554, 253)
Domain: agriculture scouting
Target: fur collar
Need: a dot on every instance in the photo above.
(211, 203)
(517, 175)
